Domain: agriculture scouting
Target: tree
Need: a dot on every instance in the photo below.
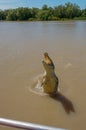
(45, 7)
(11, 15)
(69, 11)
(72, 10)
(83, 13)
(2, 15)
(45, 13)
(23, 13)
(34, 13)
(59, 11)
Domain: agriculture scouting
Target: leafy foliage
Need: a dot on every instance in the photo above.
(67, 11)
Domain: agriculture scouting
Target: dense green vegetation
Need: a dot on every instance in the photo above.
(61, 12)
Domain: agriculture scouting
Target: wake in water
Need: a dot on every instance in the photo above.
(36, 85)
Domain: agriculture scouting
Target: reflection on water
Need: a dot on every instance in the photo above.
(66, 103)
(22, 45)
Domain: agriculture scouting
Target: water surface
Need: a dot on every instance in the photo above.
(22, 45)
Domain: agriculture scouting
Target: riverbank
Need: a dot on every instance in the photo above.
(60, 12)
(61, 20)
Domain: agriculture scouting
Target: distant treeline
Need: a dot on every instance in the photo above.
(60, 12)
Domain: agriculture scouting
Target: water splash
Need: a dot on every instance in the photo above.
(68, 65)
(36, 85)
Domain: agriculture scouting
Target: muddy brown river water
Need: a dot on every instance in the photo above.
(22, 45)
